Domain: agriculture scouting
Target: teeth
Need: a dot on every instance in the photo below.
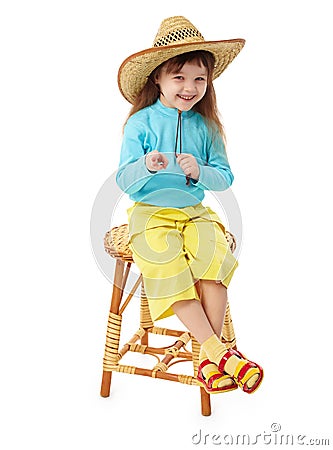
(186, 97)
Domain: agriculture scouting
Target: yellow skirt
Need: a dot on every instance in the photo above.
(176, 247)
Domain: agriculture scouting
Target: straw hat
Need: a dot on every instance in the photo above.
(175, 36)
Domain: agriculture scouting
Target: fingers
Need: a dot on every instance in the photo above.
(183, 157)
(188, 164)
(184, 160)
(156, 161)
(186, 168)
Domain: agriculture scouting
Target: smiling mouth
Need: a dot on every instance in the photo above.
(186, 97)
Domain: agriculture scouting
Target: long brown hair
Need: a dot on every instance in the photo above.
(207, 106)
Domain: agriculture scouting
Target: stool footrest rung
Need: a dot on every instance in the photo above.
(132, 370)
(173, 354)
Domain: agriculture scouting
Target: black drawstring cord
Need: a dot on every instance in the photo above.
(179, 131)
(179, 125)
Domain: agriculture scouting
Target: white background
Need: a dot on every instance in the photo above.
(61, 121)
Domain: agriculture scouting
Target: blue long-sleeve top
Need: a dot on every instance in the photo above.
(154, 128)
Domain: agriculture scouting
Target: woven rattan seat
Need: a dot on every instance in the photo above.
(116, 245)
(116, 242)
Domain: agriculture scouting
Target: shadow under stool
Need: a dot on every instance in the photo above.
(116, 245)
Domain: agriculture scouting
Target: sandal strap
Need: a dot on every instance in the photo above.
(243, 371)
(215, 377)
(211, 376)
(203, 364)
(225, 358)
(239, 367)
(249, 374)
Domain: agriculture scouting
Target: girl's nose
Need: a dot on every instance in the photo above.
(189, 86)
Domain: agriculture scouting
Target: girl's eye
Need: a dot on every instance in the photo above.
(178, 77)
(201, 79)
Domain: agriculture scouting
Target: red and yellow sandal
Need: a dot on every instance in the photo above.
(211, 382)
(244, 371)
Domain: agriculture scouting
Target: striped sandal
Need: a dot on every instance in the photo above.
(244, 371)
(211, 382)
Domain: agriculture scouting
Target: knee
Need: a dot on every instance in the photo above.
(185, 304)
(212, 283)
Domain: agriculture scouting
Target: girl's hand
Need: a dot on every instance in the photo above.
(156, 161)
(189, 165)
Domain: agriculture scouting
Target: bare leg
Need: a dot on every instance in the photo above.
(214, 302)
(214, 299)
(193, 316)
(205, 318)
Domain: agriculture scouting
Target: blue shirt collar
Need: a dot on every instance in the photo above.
(170, 112)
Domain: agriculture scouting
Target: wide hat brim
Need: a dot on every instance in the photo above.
(133, 72)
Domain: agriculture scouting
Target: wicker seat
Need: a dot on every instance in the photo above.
(116, 245)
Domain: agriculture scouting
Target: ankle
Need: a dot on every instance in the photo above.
(214, 349)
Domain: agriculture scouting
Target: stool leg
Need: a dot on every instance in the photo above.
(205, 403)
(114, 308)
(145, 317)
(106, 383)
(144, 339)
(205, 397)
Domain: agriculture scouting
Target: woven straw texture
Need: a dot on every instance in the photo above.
(176, 30)
(116, 243)
(175, 36)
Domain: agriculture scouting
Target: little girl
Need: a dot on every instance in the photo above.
(172, 151)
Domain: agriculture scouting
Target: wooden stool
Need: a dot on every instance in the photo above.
(116, 245)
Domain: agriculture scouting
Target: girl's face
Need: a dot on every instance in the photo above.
(183, 89)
